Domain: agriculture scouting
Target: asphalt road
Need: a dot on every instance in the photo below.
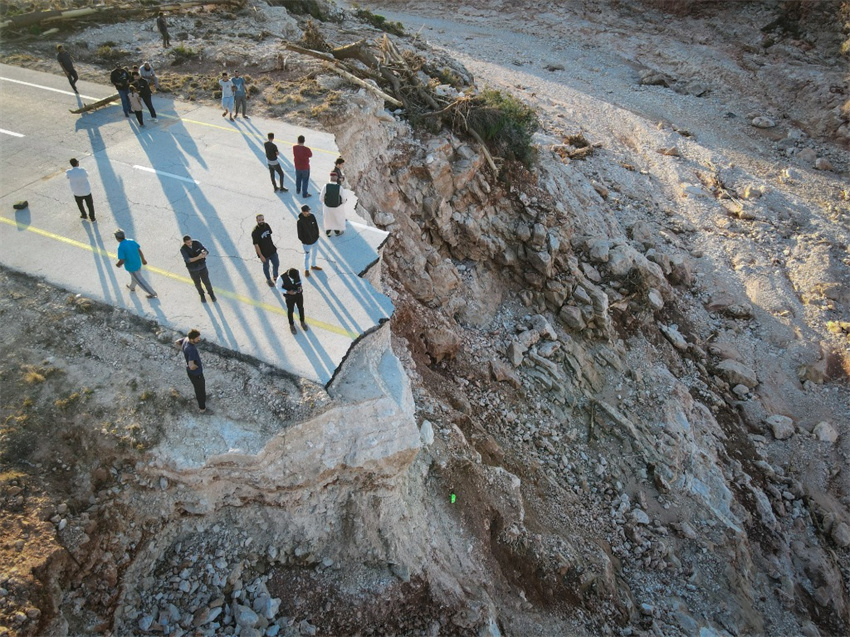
(190, 172)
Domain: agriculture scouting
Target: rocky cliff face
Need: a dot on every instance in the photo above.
(566, 318)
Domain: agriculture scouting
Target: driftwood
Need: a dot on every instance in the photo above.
(90, 107)
(356, 80)
(332, 60)
(55, 15)
(408, 90)
(327, 57)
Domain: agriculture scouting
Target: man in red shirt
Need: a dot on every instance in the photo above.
(302, 155)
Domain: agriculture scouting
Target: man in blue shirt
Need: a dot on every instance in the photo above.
(240, 94)
(130, 256)
(194, 368)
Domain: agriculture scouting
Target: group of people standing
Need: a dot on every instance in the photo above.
(234, 94)
(135, 87)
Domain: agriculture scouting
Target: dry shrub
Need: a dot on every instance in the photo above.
(313, 38)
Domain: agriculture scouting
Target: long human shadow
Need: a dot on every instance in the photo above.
(339, 250)
(165, 106)
(220, 325)
(105, 270)
(335, 305)
(255, 139)
(113, 185)
(309, 344)
(195, 214)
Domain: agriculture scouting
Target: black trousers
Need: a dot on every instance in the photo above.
(275, 168)
(202, 275)
(72, 78)
(89, 202)
(291, 301)
(200, 386)
(139, 117)
(147, 100)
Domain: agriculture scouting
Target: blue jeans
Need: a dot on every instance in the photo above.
(310, 250)
(125, 101)
(275, 261)
(302, 178)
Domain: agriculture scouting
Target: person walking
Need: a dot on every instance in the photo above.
(194, 367)
(273, 159)
(266, 249)
(195, 257)
(120, 79)
(79, 181)
(67, 65)
(289, 283)
(163, 30)
(308, 235)
(333, 199)
(226, 85)
(302, 155)
(144, 90)
(136, 105)
(148, 74)
(240, 94)
(130, 256)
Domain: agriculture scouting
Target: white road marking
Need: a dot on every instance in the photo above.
(8, 132)
(47, 88)
(165, 174)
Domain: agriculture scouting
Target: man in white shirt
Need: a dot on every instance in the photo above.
(227, 90)
(79, 180)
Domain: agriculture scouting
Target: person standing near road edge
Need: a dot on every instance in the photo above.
(67, 65)
(273, 159)
(120, 79)
(194, 367)
(302, 155)
(149, 75)
(289, 283)
(333, 197)
(240, 94)
(195, 257)
(265, 248)
(79, 180)
(308, 235)
(338, 170)
(130, 253)
(163, 30)
(144, 89)
(226, 85)
(136, 105)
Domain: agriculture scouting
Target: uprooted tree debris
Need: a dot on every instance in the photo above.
(430, 97)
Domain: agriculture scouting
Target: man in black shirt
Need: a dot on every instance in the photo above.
(120, 78)
(194, 367)
(195, 257)
(308, 235)
(290, 284)
(144, 89)
(67, 65)
(265, 248)
(163, 30)
(274, 163)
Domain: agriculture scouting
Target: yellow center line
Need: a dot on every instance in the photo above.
(246, 134)
(177, 277)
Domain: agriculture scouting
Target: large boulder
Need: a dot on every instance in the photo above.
(737, 373)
